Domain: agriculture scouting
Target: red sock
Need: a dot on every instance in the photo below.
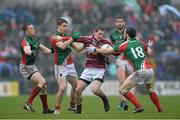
(44, 101)
(34, 93)
(155, 100)
(133, 99)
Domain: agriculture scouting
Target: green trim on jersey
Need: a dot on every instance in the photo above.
(135, 53)
(34, 45)
(117, 38)
(62, 54)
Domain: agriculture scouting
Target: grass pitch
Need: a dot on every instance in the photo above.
(11, 108)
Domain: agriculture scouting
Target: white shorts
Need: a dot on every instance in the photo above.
(124, 64)
(27, 70)
(63, 71)
(142, 76)
(90, 74)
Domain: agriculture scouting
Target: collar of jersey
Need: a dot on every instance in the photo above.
(28, 37)
(133, 39)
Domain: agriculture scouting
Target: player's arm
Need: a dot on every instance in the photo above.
(26, 48)
(45, 49)
(64, 44)
(78, 46)
(61, 42)
(105, 51)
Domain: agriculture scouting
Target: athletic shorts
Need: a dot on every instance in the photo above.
(124, 64)
(63, 71)
(142, 76)
(27, 70)
(90, 74)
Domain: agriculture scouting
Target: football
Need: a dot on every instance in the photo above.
(78, 45)
(106, 46)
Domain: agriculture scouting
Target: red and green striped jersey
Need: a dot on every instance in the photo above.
(61, 56)
(34, 46)
(135, 52)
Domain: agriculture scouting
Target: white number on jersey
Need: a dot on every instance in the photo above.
(137, 52)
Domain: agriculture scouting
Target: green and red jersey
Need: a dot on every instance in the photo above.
(135, 52)
(61, 56)
(117, 39)
(34, 46)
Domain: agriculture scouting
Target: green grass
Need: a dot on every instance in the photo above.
(11, 108)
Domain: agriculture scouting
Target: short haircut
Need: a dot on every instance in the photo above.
(131, 32)
(25, 26)
(121, 17)
(61, 21)
(99, 27)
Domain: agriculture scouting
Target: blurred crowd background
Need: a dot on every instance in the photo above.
(158, 20)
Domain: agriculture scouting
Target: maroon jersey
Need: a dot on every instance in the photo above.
(95, 60)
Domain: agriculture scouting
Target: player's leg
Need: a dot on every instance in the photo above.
(37, 78)
(43, 97)
(121, 74)
(96, 89)
(154, 97)
(59, 95)
(81, 85)
(73, 81)
(148, 82)
(60, 75)
(124, 89)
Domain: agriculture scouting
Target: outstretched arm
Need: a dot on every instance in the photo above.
(45, 49)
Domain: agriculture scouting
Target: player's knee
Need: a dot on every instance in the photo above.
(62, 89)
(150, 90)
(94, 89)
(122, 91)
(42, 83)
(78, 91)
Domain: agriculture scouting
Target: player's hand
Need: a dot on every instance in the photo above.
(76, 35)
(90, 49)
(150, 43)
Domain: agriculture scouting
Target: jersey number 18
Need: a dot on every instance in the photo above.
(137, 52)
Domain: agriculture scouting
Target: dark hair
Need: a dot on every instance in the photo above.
(121, 17)
(25, 26)
(100, 27)
(61, 21)
(131, 32)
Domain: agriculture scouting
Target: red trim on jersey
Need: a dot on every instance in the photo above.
(53, 41)
(147, 64)
(24, 56)
(24, 43)
(122, 47)
(145, 45)
(69, 59)
(24, 59)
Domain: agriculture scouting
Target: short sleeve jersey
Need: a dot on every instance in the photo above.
(61, 56)
(34, 46)
(95, 60)
(135, 52)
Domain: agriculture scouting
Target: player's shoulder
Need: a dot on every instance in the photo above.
(106, 41)
(87, 38)
(24, 41)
